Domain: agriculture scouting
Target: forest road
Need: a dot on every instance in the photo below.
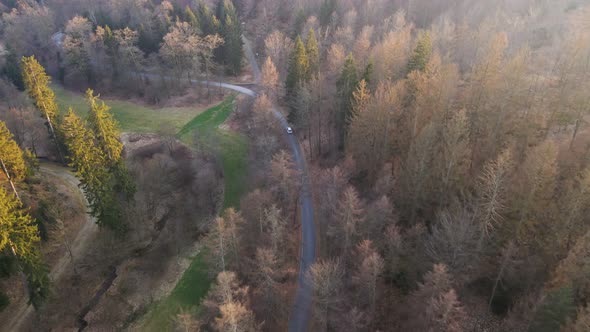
(300, 313)
(77, 246)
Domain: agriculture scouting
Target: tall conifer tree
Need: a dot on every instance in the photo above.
(298, 68)
(20, 235)
(105, 128)
(313, 54)
(12, 160)
(228, 25)
(107, 134)
(37, 84)
(347, 85)
(92, 168)
(421, 54)
(190, 17)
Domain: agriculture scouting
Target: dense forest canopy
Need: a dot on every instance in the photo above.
(436, 153)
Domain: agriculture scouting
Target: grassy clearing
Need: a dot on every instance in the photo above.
(131, 117)
(232, 149)
(210, 119)
(233, 158)
(187, 295)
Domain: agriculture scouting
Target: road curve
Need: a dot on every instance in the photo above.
(300, 313)
(301, 307)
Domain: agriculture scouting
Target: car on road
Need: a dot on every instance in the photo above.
(289, 130)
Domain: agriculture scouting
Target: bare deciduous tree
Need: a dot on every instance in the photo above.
(368, 272)
(453, 239)
(284, 177)
(276, 226)
(371, 135)
(362, 45)
(228, 302)
(235, 317)
(270, 79)
(351, 213)
(492, 187)
(326, 278)
(335, 59)
(186, 322)
(438, 302)
(76, 45)
(278, 48)
(223, 240)
(445, 313)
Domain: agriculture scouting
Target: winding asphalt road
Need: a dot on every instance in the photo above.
(301, 307)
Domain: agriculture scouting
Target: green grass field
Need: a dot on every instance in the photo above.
(131, 117)
(233, 158)
(210, 119)
(231, 146)
(187, 295)
(232, 149)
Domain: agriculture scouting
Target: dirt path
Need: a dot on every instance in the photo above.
(89, 228)
(23, 313)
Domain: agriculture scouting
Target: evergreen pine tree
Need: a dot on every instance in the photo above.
(87, 160)
(190, 17)
(206, 18)
(37, 84)
(222, 9)
(109, 41)
(37, 278)
(105, 128)
(106, 132)
(147, 42)
(326, 10)
(19, 233)
(557, 307)
(300, 19)
(298, 68)
(368, 73)
(227, 24)
(233, 44)
(313, 54)
(347, 84)
(92, 168)
(12, 160)
(421, 54)
(12, 69)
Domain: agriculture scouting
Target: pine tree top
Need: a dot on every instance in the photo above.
(11, 154)
(421, 54)
(37, 83)
(17, 229)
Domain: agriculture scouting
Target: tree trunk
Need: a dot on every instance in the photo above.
(9, 179)
(500, 273)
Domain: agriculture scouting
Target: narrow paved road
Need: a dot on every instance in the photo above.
(301, 307)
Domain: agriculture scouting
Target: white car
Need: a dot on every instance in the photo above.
(289, 130)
